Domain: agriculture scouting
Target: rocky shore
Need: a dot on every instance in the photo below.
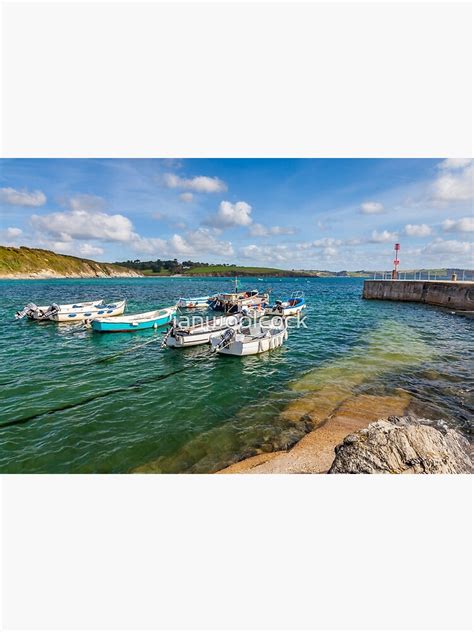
(396, 445)
(403, 445)
(86, 274)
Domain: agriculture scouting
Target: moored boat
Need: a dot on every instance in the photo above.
(233, 302)
(288, 306)
(44, 312)
(88, 313)
(189, 336)
(250, 340)
(134, 322)
(194, 301)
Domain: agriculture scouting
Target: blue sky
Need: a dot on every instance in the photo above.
(292, 213)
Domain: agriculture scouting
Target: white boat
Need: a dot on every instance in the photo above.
(44, 312)
(88, 313)
(288, 306)
(194, 301)
(251, 340)
(200, 334)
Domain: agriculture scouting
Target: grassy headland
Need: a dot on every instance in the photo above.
(44, 264)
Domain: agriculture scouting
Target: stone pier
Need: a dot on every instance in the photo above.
(458, 295)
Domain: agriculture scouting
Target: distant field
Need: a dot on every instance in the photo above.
(227, 271)
(235, 270)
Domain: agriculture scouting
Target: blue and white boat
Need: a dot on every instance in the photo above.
(194, 301)
(83, 312)
(134, 322)
(288, 306)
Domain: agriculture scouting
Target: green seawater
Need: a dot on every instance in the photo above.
(76, 401)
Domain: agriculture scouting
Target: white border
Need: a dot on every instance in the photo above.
(358, 552)
(237, 79)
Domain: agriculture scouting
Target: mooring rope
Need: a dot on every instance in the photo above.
(137, 384)
(128, 350)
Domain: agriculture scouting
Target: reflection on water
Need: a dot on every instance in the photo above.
(134, 406)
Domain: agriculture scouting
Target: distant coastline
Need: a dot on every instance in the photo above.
(24, 263)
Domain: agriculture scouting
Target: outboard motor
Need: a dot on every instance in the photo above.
(29, 310)
(226, 339)
(51, 311)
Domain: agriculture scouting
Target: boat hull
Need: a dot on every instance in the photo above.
(288, 307)
(287, 311)
(110, 325)
(201, 335)
(105, 311)
(41, 312)
(254, 348)
(243, 344)
(193, 303)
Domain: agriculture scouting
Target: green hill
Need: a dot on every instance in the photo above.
(37, 263)
(228, 271)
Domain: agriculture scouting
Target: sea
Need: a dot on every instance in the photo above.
(76, 401)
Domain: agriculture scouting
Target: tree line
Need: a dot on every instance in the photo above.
(172, 266)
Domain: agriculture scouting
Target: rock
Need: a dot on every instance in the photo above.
(403, 445)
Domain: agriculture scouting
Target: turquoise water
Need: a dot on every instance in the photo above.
(75, 401)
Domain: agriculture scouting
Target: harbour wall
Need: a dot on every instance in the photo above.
(452, 294)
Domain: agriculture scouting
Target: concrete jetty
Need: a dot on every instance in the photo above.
(458, 295)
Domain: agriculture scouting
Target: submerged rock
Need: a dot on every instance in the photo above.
(403, 445)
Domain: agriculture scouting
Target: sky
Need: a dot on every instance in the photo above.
(326, 214)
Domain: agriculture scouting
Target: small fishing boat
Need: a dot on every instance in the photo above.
(288, 306)
(233, 302)
(44, 312)
(194, 301)
(88, 313)
(250, 340)
(199, 334)
(134, 322)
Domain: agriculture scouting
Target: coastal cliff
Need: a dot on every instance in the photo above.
(35, 263)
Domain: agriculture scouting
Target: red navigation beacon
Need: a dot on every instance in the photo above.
(396, 262)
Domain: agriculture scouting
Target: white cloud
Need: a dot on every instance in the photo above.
(320, 252)
(83, 224)
(259, 230)
(268, 254)
(451, 164)
(200, 184)
(238, 214)
(326, 242)
(371, 208)
(88, 250)
(13, 232)
(456, 181)
(85, 202)
(383, 236)
(463, 225)
(448, 246)
(417, 230)
(199, 242)
(23, 197)
(186, 197)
